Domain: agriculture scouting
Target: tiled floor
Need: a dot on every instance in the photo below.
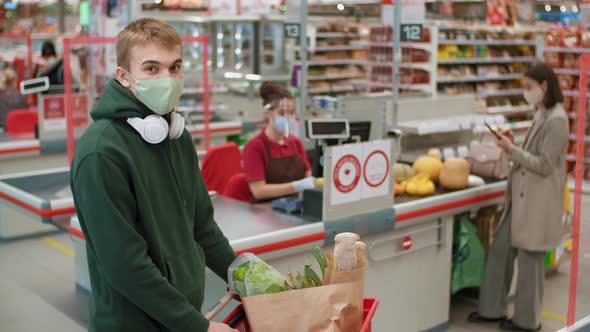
(37, 291)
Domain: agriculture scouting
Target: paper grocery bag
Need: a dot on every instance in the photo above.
(337, 307)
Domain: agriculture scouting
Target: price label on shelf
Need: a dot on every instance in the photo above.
(292, 30)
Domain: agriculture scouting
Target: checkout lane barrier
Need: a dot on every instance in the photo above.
(237, 319)
(404, 241)
(577, 320)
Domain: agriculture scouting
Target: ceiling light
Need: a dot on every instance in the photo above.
(547, 8)
(562, 8)
(340, 7)
(575, 9)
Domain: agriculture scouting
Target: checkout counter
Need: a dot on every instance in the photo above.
(409, 244)
(403, 279)
(409, 240)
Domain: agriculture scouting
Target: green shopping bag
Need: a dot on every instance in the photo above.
(468, 255)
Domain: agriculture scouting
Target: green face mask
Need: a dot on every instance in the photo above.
(159, 94)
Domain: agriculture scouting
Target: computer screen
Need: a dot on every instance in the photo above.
(328, 129)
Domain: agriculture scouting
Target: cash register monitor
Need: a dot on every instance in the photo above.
(323, 129)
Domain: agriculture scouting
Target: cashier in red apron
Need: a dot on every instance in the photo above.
(275, 161)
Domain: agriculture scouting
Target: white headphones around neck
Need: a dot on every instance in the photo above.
(154, 129)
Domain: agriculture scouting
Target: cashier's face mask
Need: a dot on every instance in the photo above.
(284, 125)
(159, 94)
(534, 96)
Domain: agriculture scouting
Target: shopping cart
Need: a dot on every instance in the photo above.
(237, 318)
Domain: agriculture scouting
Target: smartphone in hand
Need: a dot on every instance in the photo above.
(498, 136)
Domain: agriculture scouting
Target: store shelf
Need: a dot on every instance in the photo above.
(566, 71)
(421, 87)
(573, 137)
(513, 42)
(567, 50)
(486, 60)
(340, 48)
(417, 65)
(199, 108)
(510, 109)
(519, 125)
(572, 93)
(217, 129)
(481, 78)
(336, 35)
(334, 77)
(416, 45)
(572, 157)
(417, 87)
(574, 115)
(331, 89)
(192, 91)
(336, 62)
(499, 93)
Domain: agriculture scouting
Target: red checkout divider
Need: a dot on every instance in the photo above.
(579, 173)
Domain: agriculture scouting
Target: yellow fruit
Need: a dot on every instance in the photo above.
(319, 182)
(429, 165)
(420, 185)
(435, 153)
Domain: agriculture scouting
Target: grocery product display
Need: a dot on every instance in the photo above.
(487, 63)
(338, 58)
(563, 48)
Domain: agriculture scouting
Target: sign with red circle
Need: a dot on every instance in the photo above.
(347, 173)
(407, 243)
(376, 168)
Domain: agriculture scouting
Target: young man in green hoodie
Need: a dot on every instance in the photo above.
(140, 197)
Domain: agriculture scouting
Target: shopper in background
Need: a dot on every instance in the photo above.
(10, 97)
(531, 223)
(275, 161)
(48, 58)
(140, 198)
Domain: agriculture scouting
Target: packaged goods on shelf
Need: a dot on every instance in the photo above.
(563, 50)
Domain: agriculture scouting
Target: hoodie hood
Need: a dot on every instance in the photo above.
(116, 102)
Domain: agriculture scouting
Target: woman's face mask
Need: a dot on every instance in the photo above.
(284, 121)
(284, 125)
(534, 96)
(160, 95)
(533, 92)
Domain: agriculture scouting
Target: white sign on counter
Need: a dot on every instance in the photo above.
(346, 174)
(376, 168)
(360, 171)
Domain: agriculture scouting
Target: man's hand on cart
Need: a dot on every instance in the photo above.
(220, 327)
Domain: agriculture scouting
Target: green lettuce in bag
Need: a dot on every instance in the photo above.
(248, 275)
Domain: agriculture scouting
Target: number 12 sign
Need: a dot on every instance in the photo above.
(411, 32)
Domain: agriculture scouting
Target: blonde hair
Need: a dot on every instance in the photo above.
(144, 30)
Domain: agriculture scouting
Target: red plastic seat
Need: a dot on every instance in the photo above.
(220, 164)
(21, 121)
(237, 188)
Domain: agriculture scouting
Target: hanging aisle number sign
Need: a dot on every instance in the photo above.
(292, 30)
(411, 32)
(412, 18)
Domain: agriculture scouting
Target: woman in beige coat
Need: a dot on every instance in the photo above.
(531, 224)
